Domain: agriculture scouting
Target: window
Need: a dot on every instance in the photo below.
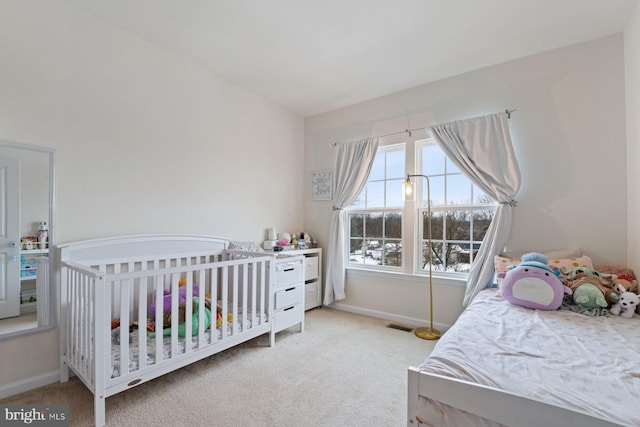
(375, 217)
(460, 212)
(384, 233)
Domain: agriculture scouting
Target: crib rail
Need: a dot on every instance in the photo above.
(232, 286)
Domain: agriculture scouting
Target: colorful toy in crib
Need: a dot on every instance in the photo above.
(182, 297)
(627, 304)
(219, 319)
(182, 326)
(115, 330)
(533, 284)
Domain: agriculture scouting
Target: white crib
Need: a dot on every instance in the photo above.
(104, 280)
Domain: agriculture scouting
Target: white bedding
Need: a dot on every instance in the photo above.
(589, 364)
(151, 345)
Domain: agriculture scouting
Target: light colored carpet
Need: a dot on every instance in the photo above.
(344, 370)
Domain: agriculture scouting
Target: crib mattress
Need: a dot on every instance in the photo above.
(134, 350)
(583, 363)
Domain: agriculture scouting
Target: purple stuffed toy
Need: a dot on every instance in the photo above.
(182, 297)
(533, 284)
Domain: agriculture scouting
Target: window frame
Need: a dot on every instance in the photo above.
(421, 210)
(411, 212)
(396, 146)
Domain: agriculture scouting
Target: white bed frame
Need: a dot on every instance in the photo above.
(111, 278)
(490, 403)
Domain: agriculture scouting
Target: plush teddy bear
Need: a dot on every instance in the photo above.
(627, 304)
(627, 281)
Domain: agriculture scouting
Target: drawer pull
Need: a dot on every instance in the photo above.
(290, 289)
(289, 269)
(290, 308)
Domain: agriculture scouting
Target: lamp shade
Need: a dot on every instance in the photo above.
(408, 191)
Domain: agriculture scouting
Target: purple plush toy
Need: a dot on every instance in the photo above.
(182, 297)
(533, 284)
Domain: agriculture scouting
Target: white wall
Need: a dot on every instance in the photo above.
(632, 80)
(146, 142)
(569, 136)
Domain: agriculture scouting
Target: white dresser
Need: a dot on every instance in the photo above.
(312, 275)
(288, 292)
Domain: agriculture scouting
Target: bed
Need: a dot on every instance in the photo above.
(134, 308)
(502, 364)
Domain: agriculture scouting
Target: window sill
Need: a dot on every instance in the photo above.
(397, 275)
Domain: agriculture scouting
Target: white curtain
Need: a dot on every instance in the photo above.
(353, 164)
(481, 148)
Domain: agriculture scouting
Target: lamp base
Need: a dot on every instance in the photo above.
(428, 333)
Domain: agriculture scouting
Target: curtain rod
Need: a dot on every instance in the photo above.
(507, 112)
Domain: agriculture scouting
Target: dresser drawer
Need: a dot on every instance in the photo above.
(289, 317)
(288, 273)
(311, 268)
(311, 298)
(289, 296)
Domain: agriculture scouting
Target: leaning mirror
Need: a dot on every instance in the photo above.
(27, 273)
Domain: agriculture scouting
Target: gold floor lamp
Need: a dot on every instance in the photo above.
(426, 333)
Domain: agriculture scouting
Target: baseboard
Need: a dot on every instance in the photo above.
(387, 316)
(28, 384)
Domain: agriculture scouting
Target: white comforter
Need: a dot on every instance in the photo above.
(589, 364)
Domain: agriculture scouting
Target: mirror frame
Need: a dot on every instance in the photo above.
(51, 321)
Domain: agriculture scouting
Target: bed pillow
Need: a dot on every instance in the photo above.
(570, 263)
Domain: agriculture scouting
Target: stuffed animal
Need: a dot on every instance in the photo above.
(219, 319)
(116, 328)
(626, 281)
(627, 304)
(533, 284)
(166, 300)
(182, 327)
(594, 294)
(578, 272)
(588, 295)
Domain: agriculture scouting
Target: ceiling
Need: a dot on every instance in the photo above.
(315, 56)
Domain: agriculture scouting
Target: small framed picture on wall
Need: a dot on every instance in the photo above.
(322, 185)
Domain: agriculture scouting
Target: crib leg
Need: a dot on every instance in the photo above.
(272, 340)
(99, 410)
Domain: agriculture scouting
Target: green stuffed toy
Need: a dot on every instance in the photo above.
(182, 326)
(589, 291)
(588, 295)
